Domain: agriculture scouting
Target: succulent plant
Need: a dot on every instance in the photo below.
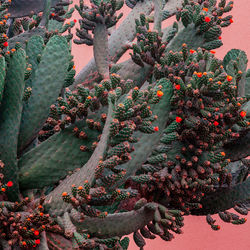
(121, 148)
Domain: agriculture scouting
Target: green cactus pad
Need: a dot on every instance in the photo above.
(54, 158)
(11, 110)
(47, 84)
(34, 47)
(224, 198)
(2, 76)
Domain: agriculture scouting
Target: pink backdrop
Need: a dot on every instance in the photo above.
(197, 233)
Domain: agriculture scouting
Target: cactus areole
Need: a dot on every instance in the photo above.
(120, 148)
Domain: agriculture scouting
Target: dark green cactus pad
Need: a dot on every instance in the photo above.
(47, 84)
(2, 76)
(224, 198)
(10, 111)
(21, 8)
(231, 55)
(238, 149)
(51, 160)
(25, 36)
(118, 224)
(87, 172)
(234, 61)
(34, 47)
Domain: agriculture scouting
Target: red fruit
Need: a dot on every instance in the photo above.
(191, 51)
(231, 20)
(9, 184)
(5, 44)
(37, 241)
(178, 86)
(219, 37)
(178, 119)
(36, 232)
(216, 123)
(156, 129)
(75, 21)
(229, 78)
(199, 74)
(243, 113)
(207, 19)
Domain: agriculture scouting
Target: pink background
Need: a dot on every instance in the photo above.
(197, 233)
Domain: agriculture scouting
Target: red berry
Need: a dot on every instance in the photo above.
(191, 51)
(37, 241)
(219, 37)
(243, 113)
(156, 129)
(231, 20)
(5, 44)
(207, 19)
(9, 184)
(178, 119)
(199, 74)
(229, 78)
(216, 123)
(36, 232)
(75, 21)
(178, 86)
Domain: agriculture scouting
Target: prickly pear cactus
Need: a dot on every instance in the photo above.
(121, 148)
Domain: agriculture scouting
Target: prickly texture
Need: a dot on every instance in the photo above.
(11, 110)
(48, 81)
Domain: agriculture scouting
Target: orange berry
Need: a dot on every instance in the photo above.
(159, 93)
(229, 78)
(64, 194)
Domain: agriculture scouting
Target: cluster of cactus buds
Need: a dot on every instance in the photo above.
(100, 13)
(23, 222)
(149, 47)
(190, 162)
(207, 18)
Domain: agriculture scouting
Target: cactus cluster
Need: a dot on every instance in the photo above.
(120, 148)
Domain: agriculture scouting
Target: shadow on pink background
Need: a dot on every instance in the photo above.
(197, 233)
